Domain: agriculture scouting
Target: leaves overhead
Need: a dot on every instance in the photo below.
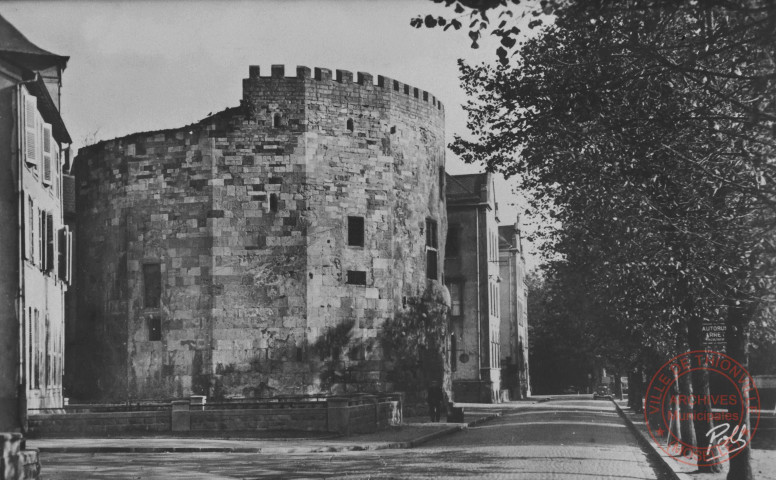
(645, 131)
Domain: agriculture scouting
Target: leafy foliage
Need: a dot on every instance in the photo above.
(645, 131)
(415, 340)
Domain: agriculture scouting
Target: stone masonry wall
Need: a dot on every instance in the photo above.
(246, 215)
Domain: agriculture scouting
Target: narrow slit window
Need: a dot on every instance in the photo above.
(356, 231)
(154, 329)
(276, 120)
(152, 285)
(273, 202)
(349, 124)
(432, 261)
(356, 277)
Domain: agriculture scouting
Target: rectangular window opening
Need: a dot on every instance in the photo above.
(152, 285)
(432, 265)
(432, 261)
(155, 329)
(356, 231)
(356, 277)
(456, 298)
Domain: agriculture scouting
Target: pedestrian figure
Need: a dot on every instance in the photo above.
(435, 399)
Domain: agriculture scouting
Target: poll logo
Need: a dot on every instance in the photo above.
(733, 399)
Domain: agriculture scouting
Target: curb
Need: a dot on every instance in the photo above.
(345, 448)
(645, 441)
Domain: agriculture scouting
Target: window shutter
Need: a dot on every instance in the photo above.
(30, 129)
(69, 263)
(42, 239)
(62, 253)
(47, 154)
(49, 242)
(25, 229)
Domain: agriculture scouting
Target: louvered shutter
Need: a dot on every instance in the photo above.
(50, 242)
(62, 254)
(47, 154)
(30, 129)
(69, 256)
(25, 228)
(42, 239)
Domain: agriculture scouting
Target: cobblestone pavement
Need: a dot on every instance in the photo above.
(553, 440)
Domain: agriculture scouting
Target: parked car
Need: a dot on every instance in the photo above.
(602, 391)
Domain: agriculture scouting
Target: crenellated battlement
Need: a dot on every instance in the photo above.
(346, 77)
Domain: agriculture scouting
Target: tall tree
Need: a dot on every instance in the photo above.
(648, 127)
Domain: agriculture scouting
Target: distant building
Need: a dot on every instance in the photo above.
(260, 251)
(34, 243)
(472, 277)
(514, 313)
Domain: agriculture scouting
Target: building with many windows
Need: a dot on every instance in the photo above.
(260, 251)
(35, 244)
(472, 277)
(515, 376)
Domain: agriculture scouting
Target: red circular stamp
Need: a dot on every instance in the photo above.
(733, 399)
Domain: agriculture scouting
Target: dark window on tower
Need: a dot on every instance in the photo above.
(152, 285)
(276, 120)
(356, 277)
(453, 242)
(431, 233)
(350, 124)
(273, 202)
(155, 329)
(356, 231)
(432, 270)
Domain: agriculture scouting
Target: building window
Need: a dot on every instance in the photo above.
(356, 277)
(47, 154)
(273, 202)
(50, 261)
(453, 241)
(41, 244)
(152, 285)
(350, 124)
(276, 120)
(65, 254)
(432, 267)
(155, 329)
(456, 298)
(30, 230)
(356, 231)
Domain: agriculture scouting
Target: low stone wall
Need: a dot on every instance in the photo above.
(93, 424)
(307, 419)
(345, 415)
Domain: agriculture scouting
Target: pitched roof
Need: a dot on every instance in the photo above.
(48, 110)
(15, 47)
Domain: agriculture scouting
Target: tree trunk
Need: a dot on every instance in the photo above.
(617, 385)
(736, 337)
(700, 381)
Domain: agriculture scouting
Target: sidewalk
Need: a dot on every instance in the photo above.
(763, 461)
(413, 432)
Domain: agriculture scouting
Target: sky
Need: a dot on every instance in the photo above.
(148, 65)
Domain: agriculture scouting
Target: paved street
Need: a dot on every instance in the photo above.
(558, 439)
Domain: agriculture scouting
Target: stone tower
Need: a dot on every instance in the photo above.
(259, 251)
